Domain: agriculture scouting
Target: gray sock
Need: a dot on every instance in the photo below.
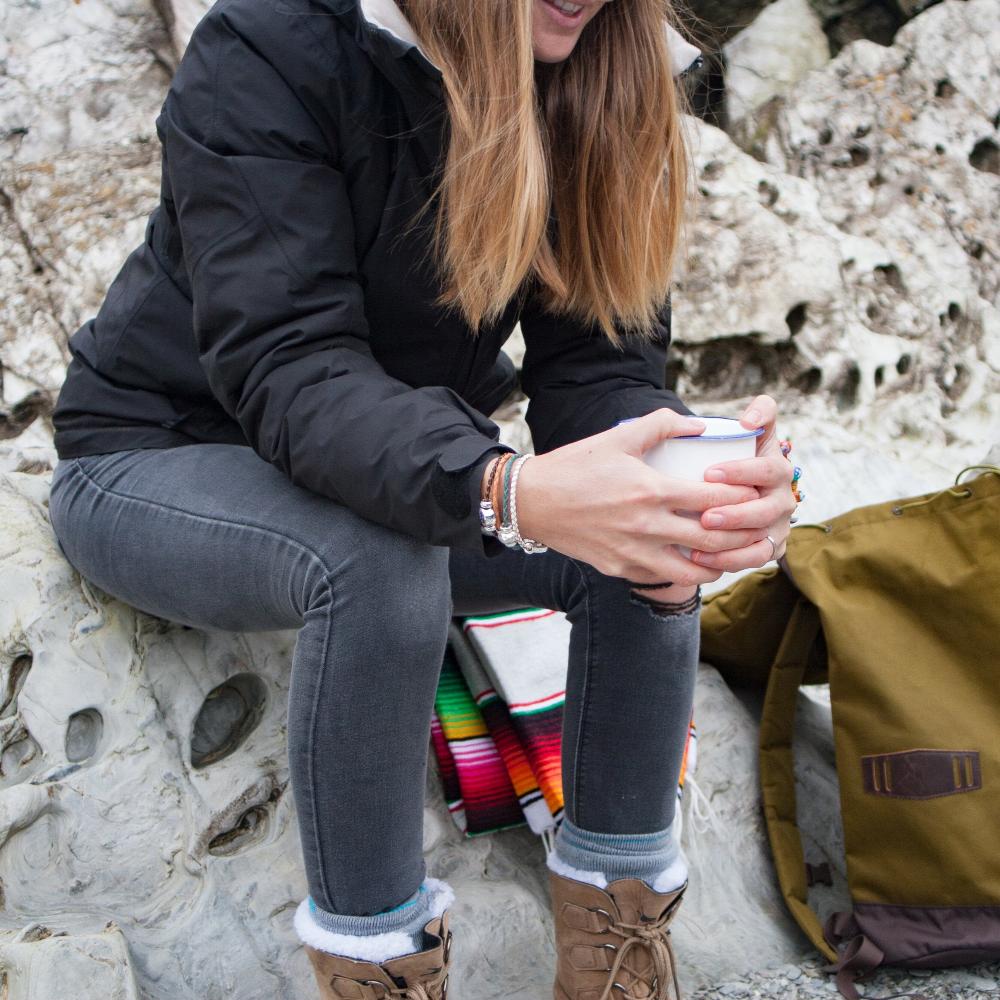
(617, 855)
(408, 917)
(374, 937)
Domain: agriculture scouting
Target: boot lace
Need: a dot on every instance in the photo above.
(432, 986)
(427, 989)
(652, 935)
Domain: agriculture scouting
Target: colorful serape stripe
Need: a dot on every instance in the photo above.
(496, 732)
(484, 799)
(518, 756)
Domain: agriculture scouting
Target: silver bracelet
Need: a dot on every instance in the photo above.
(487, 518)
(527, 544)
(487, 515)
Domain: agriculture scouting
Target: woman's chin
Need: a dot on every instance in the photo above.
(552, 48)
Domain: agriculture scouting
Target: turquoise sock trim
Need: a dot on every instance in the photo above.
(412, 901)
(616, 855)
(408, 916)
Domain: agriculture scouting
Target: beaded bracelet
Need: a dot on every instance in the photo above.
(785, 444)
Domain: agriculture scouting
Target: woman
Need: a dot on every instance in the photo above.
(279, 418)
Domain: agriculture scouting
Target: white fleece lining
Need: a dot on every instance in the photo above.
(386, 14)
(369, 947)
(668, 880)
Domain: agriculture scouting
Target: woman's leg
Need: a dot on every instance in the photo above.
(215, 537)
(629, 693)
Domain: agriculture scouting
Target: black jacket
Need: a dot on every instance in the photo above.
(270, 305)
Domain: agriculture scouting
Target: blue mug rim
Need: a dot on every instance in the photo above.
(709, 437)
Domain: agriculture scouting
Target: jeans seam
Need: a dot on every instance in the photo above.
(582, 728)
(313, 715)
(326, 638)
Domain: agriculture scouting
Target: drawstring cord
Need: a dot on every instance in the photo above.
(954, 491)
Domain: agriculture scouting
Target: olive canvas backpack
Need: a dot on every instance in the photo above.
(897, 606)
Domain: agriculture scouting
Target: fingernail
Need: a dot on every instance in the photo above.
(751, 417)
(714, 520)
(715, 476)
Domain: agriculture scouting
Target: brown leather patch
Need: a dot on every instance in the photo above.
(921, 774)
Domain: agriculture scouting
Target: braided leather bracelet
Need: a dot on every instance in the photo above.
(529, 545)
(495, 490)
(488, 503)
(505, 530)
(489, 482)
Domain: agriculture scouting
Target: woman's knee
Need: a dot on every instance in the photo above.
(394, 577)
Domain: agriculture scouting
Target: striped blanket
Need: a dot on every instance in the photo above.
(496, 731)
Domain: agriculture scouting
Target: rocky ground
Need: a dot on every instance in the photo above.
(844, 256)
(801, 982)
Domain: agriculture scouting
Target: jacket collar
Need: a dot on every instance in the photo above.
(387, 22)
(385, 17)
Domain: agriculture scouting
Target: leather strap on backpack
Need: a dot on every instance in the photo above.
(777, 772)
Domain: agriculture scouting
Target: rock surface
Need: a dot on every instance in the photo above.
(78, 74)
(774, 52)
(37, 963)
(855, 273)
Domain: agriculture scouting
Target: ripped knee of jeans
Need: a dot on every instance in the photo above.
(668, 609)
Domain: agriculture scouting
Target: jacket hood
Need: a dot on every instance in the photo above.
(385, 16)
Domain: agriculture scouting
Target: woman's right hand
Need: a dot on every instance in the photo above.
(596, 500)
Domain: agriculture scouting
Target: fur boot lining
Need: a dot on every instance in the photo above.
(672, 877)
(369, 947)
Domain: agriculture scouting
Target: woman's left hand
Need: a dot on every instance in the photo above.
(771, 473)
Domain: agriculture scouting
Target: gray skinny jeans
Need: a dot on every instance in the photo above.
(213, 536)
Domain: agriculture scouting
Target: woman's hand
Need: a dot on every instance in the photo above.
(771, 473)
(596, 500)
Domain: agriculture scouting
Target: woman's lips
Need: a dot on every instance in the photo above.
(561, 17)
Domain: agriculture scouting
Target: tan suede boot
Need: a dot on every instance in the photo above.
(613, 943)
(419, 976)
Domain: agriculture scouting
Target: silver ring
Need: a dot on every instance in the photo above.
(774, 547)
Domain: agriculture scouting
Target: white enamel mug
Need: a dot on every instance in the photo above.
(724, 439)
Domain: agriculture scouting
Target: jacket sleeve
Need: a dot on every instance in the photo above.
(578, 383)
(278, 306)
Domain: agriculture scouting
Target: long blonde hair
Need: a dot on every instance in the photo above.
(595, 140)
